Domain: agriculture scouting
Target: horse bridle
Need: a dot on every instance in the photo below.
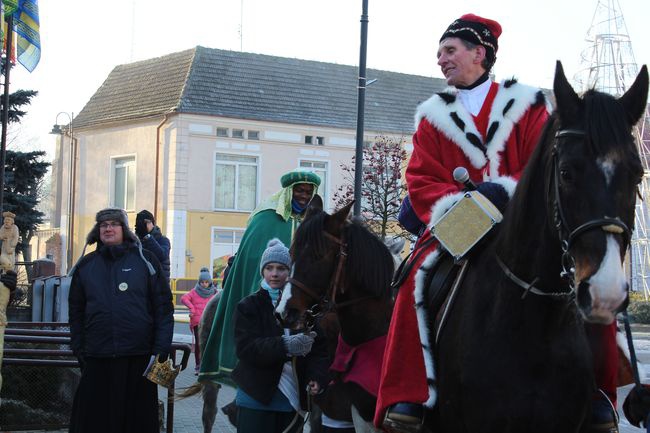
(566, 234)
(327, 301)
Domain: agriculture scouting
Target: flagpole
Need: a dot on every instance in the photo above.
(5, 107)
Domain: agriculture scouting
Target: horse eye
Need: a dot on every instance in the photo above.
(566, 175)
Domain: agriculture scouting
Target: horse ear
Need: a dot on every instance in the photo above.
(634, 100)
(315, 206)
(567, 100)
(335, 222)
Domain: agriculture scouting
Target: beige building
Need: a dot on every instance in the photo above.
(200, 137)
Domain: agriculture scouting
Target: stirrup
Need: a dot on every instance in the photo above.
(402, 423)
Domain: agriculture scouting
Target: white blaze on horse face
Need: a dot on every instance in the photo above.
(608, 166)
(608, 286)
(286, 295)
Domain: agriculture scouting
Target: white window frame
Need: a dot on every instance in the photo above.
(213, 244)
(222, 128)
(324, 186)
(257, 183)
(113, 165)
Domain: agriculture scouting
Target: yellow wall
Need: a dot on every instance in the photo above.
(199, 230)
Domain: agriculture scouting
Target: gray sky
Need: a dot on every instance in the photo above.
(82, 41)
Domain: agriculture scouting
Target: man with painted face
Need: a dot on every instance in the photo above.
(277, 217)
(490, 129)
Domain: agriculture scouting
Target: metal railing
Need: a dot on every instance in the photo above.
(41, 375)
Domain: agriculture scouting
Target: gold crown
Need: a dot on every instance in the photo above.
(163, 373)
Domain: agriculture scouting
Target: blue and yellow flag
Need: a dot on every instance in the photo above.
(28, 39)
(10, 6)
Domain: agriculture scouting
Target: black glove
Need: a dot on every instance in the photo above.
(10, 280)
(494, 192)
(162, 357)
(140, 227)
(637, 405)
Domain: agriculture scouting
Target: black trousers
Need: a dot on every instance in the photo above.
(257, 421)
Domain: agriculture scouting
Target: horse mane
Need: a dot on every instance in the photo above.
(369, 264)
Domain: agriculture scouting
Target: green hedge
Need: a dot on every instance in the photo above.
(639, 311)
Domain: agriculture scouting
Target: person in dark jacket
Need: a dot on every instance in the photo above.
(275, 369)
(121, 316)
(152, 239)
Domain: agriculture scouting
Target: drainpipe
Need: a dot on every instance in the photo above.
(73, 169)
(155, 188)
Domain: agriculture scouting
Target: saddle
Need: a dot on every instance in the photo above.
(460, 232)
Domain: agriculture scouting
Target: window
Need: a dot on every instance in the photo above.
(222, 132)
(237, 133)
(123, 191)
(320, 168)
(225, 242)
(318, 141)
(235, 182)
(253, 135)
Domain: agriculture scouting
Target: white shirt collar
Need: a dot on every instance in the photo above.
(473, 99)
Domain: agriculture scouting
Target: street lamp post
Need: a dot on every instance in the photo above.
(66, 261)
(361, 103)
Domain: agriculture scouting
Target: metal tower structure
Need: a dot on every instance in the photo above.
(608, 65)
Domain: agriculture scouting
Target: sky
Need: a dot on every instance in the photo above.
(82, 40)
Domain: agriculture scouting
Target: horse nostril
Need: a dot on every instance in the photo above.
(584, 298)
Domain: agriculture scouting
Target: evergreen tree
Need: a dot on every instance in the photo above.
(17, 99)
(24, 175)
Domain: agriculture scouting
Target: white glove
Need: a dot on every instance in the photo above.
(299, 344)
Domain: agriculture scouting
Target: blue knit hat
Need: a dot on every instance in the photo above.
(205, 275)
(275, 252)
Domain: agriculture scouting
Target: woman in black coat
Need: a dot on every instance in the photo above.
(275, 370)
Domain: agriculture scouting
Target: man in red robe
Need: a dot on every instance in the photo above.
(491, 129)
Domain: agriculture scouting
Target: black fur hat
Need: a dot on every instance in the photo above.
(110, 214)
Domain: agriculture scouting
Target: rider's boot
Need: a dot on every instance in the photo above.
(604, 418)
(404, 418)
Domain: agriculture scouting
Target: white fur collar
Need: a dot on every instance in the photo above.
(515, 96)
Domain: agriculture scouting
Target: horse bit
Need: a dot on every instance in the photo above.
(567, 236)
(609, 225)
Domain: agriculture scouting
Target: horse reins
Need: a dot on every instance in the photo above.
(327, 301)
(566, 235)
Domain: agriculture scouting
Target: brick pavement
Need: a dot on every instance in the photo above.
(187, 412)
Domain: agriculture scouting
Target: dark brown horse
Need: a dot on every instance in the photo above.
(514, 345)
(340, 266)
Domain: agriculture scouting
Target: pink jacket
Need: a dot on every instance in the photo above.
(196, 303)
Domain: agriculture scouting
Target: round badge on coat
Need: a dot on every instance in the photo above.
(123, 286)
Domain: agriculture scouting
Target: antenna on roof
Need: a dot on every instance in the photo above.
(132, 30)
(241, 26)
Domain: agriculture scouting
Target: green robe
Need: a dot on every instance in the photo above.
(219, 358)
